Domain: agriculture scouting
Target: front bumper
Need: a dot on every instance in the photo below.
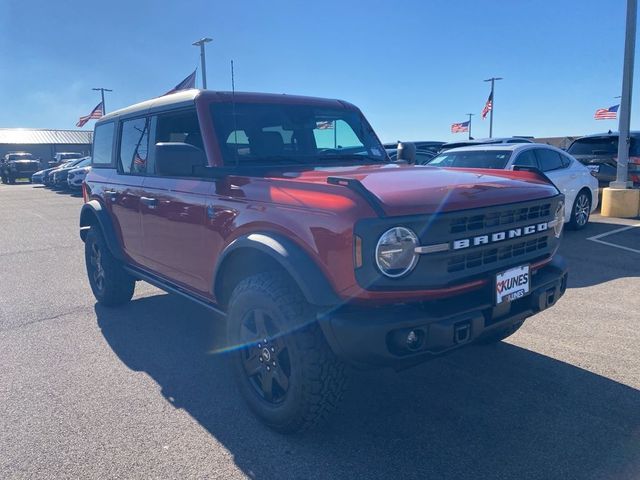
(376, 337)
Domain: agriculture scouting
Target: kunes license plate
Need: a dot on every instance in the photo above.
(512, 284)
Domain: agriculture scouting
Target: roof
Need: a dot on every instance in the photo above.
(184, 97)
(498, 147)
(608, 134)
(39, 136)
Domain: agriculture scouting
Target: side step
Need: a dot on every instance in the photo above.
(173, 288)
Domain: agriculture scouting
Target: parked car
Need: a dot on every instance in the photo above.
(77, 175)
(431, 146)
(309, 243)
(47, 177)
(485, 141)
(60, 174)
(41, 175)
(600, 154)
(15, 165)
(64, 157)
(573, 179)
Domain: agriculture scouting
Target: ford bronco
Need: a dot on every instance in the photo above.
(284, 215)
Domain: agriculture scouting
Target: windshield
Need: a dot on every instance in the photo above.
(276, 134)
(472, 159)
(606, 146)
(19, 156)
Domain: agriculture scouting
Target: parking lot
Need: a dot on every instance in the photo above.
(136, 392)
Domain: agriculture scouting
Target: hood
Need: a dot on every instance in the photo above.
(24, 161)
(408, 190)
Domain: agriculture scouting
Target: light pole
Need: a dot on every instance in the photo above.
(102, 90)
(493, 102)
(200, 43)
(470, 115)
(625, 101)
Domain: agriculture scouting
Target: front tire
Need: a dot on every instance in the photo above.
(581, 211)
(284, 368)
(110, 283)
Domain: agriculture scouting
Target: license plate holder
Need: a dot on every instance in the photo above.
(512, 284)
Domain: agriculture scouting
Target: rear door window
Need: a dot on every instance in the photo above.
(549, 160)
(103, 144)
(526, 159)
(134, 146)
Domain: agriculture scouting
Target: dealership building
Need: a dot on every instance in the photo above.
(44, 143)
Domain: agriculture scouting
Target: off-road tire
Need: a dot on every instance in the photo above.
(581, 206)
(499, 335)
(317, 378)
(114, 286)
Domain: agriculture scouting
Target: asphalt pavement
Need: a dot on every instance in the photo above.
(139, 392)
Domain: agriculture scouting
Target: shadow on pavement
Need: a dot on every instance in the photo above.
(592, 263)
(483, 412)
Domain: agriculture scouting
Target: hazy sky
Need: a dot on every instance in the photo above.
(413, 67)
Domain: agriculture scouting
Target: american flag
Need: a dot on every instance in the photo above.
(607, 113)
(325, 125)
(96, 113)
(487, 106)
(186, 84)
(460, 127)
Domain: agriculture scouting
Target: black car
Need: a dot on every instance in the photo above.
(599, 153)
(58, 177)
(16, 165)
(429, 146)
(48, 178)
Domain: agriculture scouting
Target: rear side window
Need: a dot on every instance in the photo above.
(134, 146)
(549, 160)
(180, 127)
(526, 159)
(103, 144)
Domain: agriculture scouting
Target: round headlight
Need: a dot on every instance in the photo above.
(395, 252)
(559, 220)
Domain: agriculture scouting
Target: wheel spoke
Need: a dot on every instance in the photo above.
(248, 336)
(281, 379)
(267, 385)
(261, 328)
(252, 363)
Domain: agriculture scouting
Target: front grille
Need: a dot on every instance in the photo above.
(493, 255)
(501, 218)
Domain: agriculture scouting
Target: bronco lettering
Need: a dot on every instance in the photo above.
(499, 236)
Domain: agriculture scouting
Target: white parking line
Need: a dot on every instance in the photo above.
(596, 238)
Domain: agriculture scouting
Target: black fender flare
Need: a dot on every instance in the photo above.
(295, 261)
(91, 210)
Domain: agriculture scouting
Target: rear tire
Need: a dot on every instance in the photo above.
(581, 210)
(293, 381)
(110, 283)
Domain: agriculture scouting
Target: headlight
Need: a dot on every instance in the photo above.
(559, 220)
(395, 252)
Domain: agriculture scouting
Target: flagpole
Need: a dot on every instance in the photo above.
(200, 43)
(470, 115)
(493, 102)
(102, 90)
(622, 170)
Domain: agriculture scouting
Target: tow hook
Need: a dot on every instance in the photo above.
(462, 332)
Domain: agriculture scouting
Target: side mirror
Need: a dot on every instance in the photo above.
(176, 159)
(407, 152)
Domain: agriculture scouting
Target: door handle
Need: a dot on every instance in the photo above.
(112, 194)
(149, 202)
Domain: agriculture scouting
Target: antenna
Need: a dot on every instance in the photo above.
(233, 113)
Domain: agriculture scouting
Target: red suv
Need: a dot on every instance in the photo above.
(284, 215)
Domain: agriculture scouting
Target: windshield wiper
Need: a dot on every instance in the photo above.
(352, 156)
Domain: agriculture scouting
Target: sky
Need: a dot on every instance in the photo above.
(413, 67)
